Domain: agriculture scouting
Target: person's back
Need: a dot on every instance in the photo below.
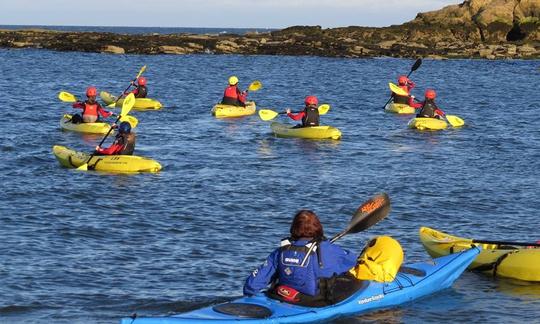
(232, 95)
(407, 85)
(124, 142)
(293, 279)
(428, 108)
(310, 114)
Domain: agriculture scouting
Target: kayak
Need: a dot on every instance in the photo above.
(399, 108)
(107, 163)
(315, 132)
(422, 123)
(412, 282)
(92, 128)
(140, 103)
(228, 111)
(498, 260)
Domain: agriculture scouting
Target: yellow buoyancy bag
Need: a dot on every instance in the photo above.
(380, 260)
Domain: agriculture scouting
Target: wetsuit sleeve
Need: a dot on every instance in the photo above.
(78, 104)
(336, 260)
(415, 104)
(242, 96)
(263, 275)
(111, 150)
(410, 84)
(298, 116)
(104, 113)
(439, 112)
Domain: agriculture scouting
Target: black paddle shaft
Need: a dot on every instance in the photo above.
(506, 243)
(415, 67)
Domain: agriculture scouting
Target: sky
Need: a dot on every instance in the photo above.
(217, 13)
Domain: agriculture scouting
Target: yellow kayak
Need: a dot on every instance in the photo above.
(422, 123)
(399, 108)
(498, 260)
(140, 103)
(92, 128)
(228, 111)
(315, 132)
(107, 163)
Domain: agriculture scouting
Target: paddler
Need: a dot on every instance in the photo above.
(310, 114)
(232, 95)
(296, 282)
(124, 142)
(407, 85)
(91, 109)
(140, 91)
(428, 108)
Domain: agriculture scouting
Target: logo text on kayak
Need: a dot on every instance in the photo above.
(370, 299)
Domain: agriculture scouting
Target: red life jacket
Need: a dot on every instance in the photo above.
(90, 109)
(231, 92)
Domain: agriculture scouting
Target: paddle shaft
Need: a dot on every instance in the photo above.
(505, 243)
(408, 75)
(104, 138)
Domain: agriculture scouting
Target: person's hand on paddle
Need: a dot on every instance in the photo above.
(288, 110)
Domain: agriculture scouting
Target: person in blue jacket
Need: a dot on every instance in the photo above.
(292, 279)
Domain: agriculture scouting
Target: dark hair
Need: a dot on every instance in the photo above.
(306, 224)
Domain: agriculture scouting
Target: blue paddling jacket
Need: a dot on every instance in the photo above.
(284, 265)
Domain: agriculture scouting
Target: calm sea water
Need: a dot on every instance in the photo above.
(92, 248)
(142, 30)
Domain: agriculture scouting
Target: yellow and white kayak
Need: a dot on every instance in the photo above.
(498, 260)
(228, 111)
(107, 163)
(399, 108)
(422, 123)
(315, 132)
(92, 128)
(140, 103)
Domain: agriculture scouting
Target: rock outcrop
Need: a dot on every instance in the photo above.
(473, 29)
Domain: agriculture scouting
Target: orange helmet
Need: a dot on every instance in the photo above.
(430, 94)
(91, 91)
(141, 81)
(311, 100)
(402, 80)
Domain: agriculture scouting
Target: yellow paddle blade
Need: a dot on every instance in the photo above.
(128, 103)
(141, 71)
(83, 167)
(397, 90)
(255, 85)
(455, 121)
(131, 120)
(66, 97)
(267, 114)
(323, 109)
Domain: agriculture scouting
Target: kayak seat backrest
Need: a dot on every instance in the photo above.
(412, 271)
(243, 310)
(345, 286)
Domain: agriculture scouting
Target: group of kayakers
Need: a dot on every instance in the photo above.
(124, 141)
(428, 107)
(309, 116)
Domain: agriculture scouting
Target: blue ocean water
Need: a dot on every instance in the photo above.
(142, 30)
(91, 248)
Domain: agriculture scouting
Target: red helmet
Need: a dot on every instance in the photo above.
(402, 80)
(430, 94)
(311, 100)
(91, 91)
(141, 81)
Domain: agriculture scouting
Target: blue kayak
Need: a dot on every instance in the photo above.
(412, 281)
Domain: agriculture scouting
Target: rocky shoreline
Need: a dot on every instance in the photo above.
(491, 29)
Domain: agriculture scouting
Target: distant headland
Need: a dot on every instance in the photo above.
(491, 29)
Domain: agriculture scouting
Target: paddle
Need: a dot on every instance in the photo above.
(255, 85)
(267, 114)
(129, 86)
(128, 103)
(67, 97)
(453, 120)
(415, 67)
(397, 90)
(367, 215)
